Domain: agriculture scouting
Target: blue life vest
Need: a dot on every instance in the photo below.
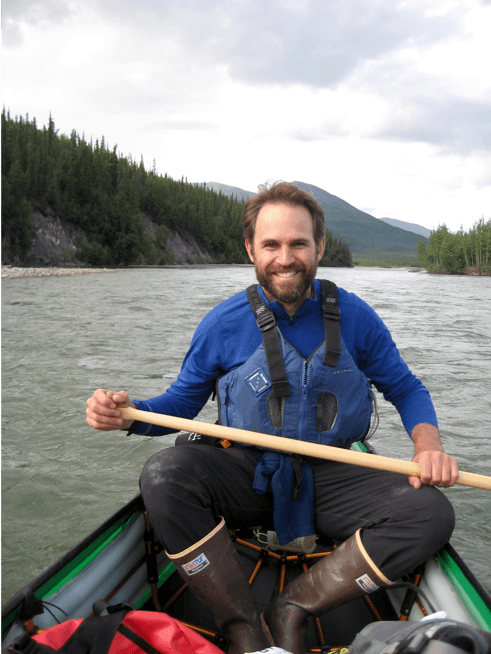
(327, 404)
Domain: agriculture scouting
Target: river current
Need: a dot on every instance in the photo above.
(62, 337)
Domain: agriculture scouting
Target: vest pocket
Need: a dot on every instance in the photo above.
(276, 410)
(327, 410)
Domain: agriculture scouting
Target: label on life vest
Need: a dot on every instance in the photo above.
(196, 565)
(366, 584)
(258, 382)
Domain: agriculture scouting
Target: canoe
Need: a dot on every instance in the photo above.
(120, 562)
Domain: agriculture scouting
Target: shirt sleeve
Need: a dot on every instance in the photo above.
(189, 393)
(377, 356)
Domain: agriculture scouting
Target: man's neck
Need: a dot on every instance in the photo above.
(291, 308)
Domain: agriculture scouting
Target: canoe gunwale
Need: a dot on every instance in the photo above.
(469, 574)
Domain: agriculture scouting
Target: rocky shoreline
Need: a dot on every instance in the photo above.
(12, 272)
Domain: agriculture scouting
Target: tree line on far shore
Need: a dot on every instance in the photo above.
(337, 253)
(104, 193)
(455, 252)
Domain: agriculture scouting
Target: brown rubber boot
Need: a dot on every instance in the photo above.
(345, 574)
(212, 569)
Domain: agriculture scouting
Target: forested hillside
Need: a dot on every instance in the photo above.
(239, 193)
(458, 252)
(367, 237)
(105, 194)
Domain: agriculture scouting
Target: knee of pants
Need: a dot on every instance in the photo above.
(168, 470)
(420, 525)
(175, 499)
(435, 518)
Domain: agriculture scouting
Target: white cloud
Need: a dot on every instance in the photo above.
(181, 125)
(311, 43)
(17, 13)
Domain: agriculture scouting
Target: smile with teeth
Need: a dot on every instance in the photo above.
(287, 274)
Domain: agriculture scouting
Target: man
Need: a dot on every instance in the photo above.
(305, 379)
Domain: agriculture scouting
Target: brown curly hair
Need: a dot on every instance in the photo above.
(283, 193)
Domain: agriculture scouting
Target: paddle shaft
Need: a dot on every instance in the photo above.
(295, 447)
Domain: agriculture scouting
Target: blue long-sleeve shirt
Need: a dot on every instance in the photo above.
(229, 335)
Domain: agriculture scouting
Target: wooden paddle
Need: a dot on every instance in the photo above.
(295, 447)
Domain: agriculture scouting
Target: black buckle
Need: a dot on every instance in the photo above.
(332, 313)
(266, 321)
(31, 606)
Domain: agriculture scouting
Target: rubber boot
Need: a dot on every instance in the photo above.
(345, 574)
(212, 569)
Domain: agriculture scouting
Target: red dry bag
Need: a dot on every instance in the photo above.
(122, 631)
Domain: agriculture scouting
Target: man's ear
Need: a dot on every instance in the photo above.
(320, 250)
(250, 250)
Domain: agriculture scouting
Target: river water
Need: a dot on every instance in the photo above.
(62, 337)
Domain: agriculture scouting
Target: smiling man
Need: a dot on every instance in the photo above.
(285, 254)
(294, 357)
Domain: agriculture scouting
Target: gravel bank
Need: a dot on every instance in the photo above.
(14, 273)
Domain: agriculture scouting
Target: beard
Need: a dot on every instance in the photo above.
(292, 290)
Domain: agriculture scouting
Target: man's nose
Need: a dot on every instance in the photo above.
(285, 256)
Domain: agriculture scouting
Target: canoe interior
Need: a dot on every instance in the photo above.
(113, 564)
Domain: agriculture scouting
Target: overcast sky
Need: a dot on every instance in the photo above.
(384, 103)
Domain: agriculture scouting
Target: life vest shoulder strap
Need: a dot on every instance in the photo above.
(267, 324)
(331, 315)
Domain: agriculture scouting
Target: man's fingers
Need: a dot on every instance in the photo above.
(109, 419)
(450, 472)
(455, 471)
(445, 474)
(97, 409)
(102, 409)
(118, 398)
(101, 425)
(437, 469)
(426, 468)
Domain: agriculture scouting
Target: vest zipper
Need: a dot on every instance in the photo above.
(303, 416)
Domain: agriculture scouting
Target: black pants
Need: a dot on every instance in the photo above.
(186, 487)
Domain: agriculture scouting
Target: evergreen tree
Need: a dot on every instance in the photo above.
(336, 253)
(453, 253)
(17, 223)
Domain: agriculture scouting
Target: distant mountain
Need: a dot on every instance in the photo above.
(410, 227)
(361, 231)
(367, 236)
(230, 190)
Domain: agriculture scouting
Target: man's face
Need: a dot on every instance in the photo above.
(284, 253)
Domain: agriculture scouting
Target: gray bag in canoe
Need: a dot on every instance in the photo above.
(439, 636)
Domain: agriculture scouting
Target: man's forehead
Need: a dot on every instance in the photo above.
(278, 207)
(273, 217)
